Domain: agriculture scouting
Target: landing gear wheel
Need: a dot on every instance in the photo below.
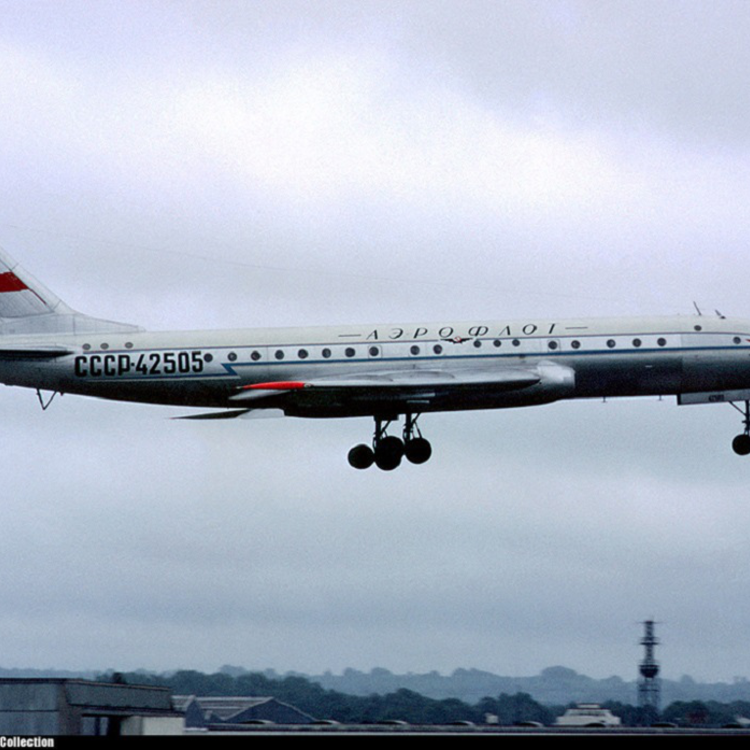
(741, 445)
(388, 453)
(418, 450)
(361, 456)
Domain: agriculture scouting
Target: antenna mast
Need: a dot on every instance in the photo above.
(648, 685)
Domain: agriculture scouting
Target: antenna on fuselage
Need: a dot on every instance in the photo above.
(722, 317)
(697, 309)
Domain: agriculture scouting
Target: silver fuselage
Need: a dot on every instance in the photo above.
(602, 358)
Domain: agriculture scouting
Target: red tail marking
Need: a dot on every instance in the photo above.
(9, 282)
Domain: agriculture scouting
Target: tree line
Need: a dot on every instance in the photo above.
(409, 706)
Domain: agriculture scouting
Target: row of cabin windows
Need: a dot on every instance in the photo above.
(437, 348)
(415, 349)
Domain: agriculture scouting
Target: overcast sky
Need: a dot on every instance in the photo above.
(229, 164)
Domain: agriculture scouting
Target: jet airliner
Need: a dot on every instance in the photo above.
(388, 372)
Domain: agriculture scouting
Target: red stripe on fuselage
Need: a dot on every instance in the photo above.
(9, 282)
(279, 385)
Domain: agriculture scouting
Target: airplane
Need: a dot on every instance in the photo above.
(383, 371)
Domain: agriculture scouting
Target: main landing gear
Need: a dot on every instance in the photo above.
(741, 444)
(387, 451)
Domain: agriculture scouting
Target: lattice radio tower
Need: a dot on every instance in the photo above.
(648, 685)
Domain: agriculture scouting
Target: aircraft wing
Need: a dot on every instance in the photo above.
(36, 352)
(393, 382)
(405, 390)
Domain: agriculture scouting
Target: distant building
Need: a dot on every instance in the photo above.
(588, 715)
(57, 707)
(213, 711)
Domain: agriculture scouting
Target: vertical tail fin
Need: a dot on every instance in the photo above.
(28, 307)
(22, 296)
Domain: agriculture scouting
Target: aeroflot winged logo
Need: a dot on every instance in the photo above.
(386, 372)
(448, 332)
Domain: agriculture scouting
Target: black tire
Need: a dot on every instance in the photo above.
(418, 450)
(388, 453)
(741, 445)
(361, 456)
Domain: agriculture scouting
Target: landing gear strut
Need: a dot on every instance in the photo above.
(741, 444)
(387, 451)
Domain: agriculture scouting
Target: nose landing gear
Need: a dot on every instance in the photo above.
(388, 451)
(741, 444)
